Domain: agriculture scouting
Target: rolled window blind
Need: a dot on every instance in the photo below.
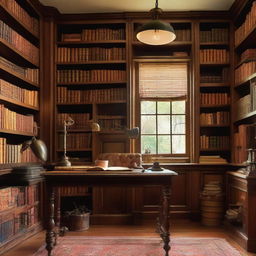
(163, 80)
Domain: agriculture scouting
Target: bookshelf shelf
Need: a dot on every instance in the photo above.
(215, 43)
(75, 149)
(206, 85)
(110, 117)
(14, 102)
(10, 53)
(92, 83)
(248, 41)
(246, 118)
(214, 149)
(13, 76)
(245, 81)
(27, 134)
(18, 25)
(214, 125)
(215, 106)
(214, 63)
(100, 62)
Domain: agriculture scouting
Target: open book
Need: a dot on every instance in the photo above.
(91, 168)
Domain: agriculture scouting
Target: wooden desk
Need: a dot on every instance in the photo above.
(56, 179)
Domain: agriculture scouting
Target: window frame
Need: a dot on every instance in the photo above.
(180, 157)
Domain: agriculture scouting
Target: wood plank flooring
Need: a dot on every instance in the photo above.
(182, 228)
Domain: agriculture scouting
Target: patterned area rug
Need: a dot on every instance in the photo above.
(143, 246)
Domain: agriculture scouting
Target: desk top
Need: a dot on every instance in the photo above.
(121, 173)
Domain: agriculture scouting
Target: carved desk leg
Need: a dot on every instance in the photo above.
(50, 235)
(57, 214)
(163, 219)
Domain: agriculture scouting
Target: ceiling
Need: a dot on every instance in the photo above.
(103, 6)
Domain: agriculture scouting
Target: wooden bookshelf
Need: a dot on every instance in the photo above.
(19, 98)
(214, 87)
(105, 82)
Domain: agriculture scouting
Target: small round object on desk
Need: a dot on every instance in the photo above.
(155, 168)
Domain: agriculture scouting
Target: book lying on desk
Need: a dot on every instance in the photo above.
(91, 168)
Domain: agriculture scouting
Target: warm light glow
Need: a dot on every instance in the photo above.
(156, 37)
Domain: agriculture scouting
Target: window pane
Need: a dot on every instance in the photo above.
(164, 144)
(148, 142)
(163, 107)
(178, 124)
(178, 144)
(148, 124)
(178, 107)
(163, 124)
(148, 107)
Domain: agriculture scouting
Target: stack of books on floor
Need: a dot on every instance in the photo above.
(212, 160)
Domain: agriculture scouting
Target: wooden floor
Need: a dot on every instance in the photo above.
(182, 228)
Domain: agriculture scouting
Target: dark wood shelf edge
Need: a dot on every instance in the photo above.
(245, 80)
(18, 103)
(90, 103)
(62, 43)
(205, 85)
(215, 43)
(17, 133)
(91, 62)
(18, 76)
(8, 50)
(10, 166)
(90, 83)
(245, 117)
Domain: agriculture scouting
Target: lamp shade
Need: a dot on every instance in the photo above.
(155, 32)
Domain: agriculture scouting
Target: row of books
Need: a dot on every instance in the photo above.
(66, 54)
(28, 73)
(73, 190)
(248, 54)
(214, 98)
(244, 71)
(6, 229)
(214, 56)
(18, 196)
(13, 7)
(75, 140)
(214, 76)
(95, 34)
(220, 117)
(183, 34)
(13, 121)
(96, 75)
(244, 139)
(248, 24)
(243, 106)
(19, 43)
(14, 224)
(64, 95)
(214, 142)
(10, 153)
(111, 124)
(81, 120)
(14, 92)
(214, 35)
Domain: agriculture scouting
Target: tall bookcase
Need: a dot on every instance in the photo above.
(244, 85)
(19, 116)
(214, 59)
(241, 186)
(91, 85)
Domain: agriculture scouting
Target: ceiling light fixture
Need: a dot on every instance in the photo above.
(156, 32)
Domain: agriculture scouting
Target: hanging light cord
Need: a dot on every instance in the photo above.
(156, 3)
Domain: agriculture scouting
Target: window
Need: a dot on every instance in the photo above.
(163, 108)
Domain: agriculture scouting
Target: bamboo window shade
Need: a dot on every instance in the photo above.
(163, 80)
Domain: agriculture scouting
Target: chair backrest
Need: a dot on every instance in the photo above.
(131, 160)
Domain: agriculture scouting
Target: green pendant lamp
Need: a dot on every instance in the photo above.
(156, 32)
